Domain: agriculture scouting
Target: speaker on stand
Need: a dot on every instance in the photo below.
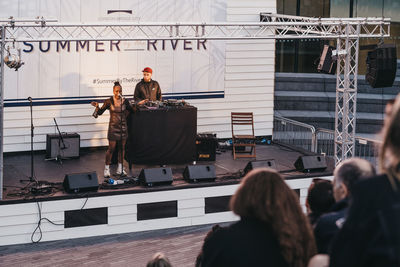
(381, 66)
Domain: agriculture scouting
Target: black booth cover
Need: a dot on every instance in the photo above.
(162, 136)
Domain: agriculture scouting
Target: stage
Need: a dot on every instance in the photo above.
(17, 167)
(126, 208)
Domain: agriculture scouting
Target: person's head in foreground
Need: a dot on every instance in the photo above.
(264, 195)
(347, 173)
(159, 260)
(389, 156)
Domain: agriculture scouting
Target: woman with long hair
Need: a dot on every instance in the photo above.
(272, 231)
(119, 107)
(371, 234)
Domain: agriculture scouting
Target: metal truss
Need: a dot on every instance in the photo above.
(327, 28)
(347, 32)
(272, 26)
(346, 95)
(2, 48)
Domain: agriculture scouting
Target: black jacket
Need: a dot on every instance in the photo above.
(247, 242)
(116, 127)
(329, 224)
(147, 90)
(371, 234)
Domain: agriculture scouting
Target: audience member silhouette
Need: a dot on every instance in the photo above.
(346, 174)
(371, 234)
(272, 230)
(159, 260)
(199, 258)
(319, 199)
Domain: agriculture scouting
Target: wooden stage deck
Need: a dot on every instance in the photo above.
(17, 167)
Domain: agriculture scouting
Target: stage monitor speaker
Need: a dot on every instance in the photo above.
(196, 173)
(251, 165)
(381, 66)
(310, 163)
(155, 176)
(81, 182)
(326, 63)
(56, 148)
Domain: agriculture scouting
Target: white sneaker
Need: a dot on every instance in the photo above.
(121, 172)
(106, 173)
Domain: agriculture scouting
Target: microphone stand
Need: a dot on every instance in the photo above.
(60, 138)
(32, 178)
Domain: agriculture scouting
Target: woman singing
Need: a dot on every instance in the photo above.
(119, 108)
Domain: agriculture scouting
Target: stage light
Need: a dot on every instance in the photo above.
(13, 58)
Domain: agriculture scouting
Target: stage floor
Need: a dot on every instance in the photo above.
(17, 167)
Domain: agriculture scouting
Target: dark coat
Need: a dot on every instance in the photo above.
(247, 242)
(329, 224)
(147, 90)
(372, 228)
(115, 126)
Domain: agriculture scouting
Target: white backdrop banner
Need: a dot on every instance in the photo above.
(85, 69)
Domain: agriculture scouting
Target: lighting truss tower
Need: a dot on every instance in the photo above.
(346, 93)
(346, 31)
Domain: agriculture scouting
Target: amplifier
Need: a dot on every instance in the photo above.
(65, 147)
(206, 145)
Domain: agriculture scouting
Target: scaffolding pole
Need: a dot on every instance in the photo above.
(2, 45)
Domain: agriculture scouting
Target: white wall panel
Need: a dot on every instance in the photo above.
(242, 70)
(18, 221)
(10, 8)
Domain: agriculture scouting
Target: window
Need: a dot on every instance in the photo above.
(300, 55)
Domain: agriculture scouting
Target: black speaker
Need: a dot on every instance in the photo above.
(206, 145)
(381, 66)
(65, 146)
(251, 165)
(155, 176)
(310, 163)
(81, 182)
(326, 63)
(196, 173)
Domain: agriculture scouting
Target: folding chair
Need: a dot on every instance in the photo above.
(242, 123)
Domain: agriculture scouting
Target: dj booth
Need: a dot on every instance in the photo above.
(162, 135)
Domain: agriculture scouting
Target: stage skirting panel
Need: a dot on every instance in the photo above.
(122, 213)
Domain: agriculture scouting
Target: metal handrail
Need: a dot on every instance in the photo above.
(366, 148)
(320, 140)
(308, 127)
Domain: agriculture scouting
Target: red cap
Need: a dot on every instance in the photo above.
(147, 69)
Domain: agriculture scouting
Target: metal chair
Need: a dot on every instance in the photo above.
(242, 125)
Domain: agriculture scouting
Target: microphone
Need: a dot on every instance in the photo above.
(120, 95)
(29, 99)
(95, 114)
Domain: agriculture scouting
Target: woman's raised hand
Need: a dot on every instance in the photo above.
(94, 104)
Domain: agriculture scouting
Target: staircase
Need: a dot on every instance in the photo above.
(310, 98)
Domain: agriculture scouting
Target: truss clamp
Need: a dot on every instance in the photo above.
(12, 22)
(336, 53)
(42, 22)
